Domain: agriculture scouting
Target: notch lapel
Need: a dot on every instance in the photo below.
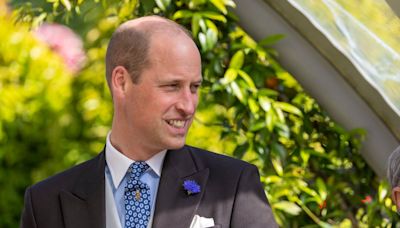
(174, 208)
(84, 205)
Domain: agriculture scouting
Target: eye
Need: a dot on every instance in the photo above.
(171, 86)
(194, 88)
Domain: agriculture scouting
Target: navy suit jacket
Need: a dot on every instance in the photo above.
(231, 194)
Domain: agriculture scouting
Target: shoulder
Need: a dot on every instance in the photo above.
(212, 160)
(68, 178)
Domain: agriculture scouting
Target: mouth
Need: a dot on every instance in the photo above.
(177, 123)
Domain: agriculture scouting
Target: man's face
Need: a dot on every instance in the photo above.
(159, 109)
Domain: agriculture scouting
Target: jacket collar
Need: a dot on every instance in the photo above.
(174, 208)
(84, 205)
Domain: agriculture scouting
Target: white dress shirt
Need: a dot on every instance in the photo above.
(117, 165)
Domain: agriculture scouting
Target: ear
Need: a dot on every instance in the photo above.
(396, 196)
(119, 80)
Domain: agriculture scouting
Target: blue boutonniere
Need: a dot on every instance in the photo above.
(191, 187)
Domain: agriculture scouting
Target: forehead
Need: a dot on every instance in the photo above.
(174, 55)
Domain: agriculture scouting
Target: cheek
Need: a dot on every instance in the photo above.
(196, 101)
(161, 103)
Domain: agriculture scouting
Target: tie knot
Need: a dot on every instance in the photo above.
(137, 169)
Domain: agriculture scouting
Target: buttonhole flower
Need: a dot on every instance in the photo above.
(191, 187)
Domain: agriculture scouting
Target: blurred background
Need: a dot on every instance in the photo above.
(308, 91)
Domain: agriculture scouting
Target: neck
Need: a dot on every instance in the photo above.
(128, 146)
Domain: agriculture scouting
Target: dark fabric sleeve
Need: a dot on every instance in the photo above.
(28, 218)
(251, 207)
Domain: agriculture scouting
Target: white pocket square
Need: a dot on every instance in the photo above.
(201, 222)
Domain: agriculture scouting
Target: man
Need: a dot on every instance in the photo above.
(146, 176)
(393, 173)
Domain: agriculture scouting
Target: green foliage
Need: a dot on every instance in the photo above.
(251, 108)
(33, 85)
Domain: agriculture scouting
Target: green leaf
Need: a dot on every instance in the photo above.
(279, 113)
(67, 4)
(279, 149)
(163, 4)
(230, 3)
(268, 93)
(276, 163)
(288, 207)
(288, 108)
(316, 153)
(211, 39)
(203, 41)
(305, 157)
(203, 25)
(211, 26)
(283, 130)
(220, 5)
(182, 14)
(214, 16)
(265, 103)
(196, 24)
(229, 76)
(39, 20)
(382, 192)
(254, 106)
(271, 40)
(257, 125)
(237, 60)
(248, 80)
(147, 5)
(273, 179)
(240, 150)
(321, 188)
(311, 192)
(236, 90)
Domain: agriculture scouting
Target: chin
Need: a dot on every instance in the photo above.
(175, 144)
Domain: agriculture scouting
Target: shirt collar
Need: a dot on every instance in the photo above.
(118, 163)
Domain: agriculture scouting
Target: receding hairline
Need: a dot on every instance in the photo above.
(146, 27)
(152, 25)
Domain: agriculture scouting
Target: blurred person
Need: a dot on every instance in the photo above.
(393, 174)
(146, 176)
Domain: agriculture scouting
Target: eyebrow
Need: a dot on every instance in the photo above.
(177, 81)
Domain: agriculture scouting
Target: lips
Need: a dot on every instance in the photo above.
(177, 123)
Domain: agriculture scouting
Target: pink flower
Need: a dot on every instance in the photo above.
(64, 42)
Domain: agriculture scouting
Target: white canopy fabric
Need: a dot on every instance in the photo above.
(328, 73)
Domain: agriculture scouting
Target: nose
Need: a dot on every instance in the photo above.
(187, 103)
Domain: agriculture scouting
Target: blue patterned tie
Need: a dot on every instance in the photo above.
(137, 197)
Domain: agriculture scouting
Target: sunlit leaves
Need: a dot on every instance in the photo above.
(250, 108)
(182, 14)
(288, 207)
(66, 4)
(163, 4)
(237, 60)
(271, 40)
(34, 89)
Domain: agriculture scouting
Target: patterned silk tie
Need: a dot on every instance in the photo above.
(137, 197)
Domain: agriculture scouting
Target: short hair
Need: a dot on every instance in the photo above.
(393, 170)
(129, 45)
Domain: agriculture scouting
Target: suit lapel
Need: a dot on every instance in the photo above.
(174, 208)
(84, 205)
